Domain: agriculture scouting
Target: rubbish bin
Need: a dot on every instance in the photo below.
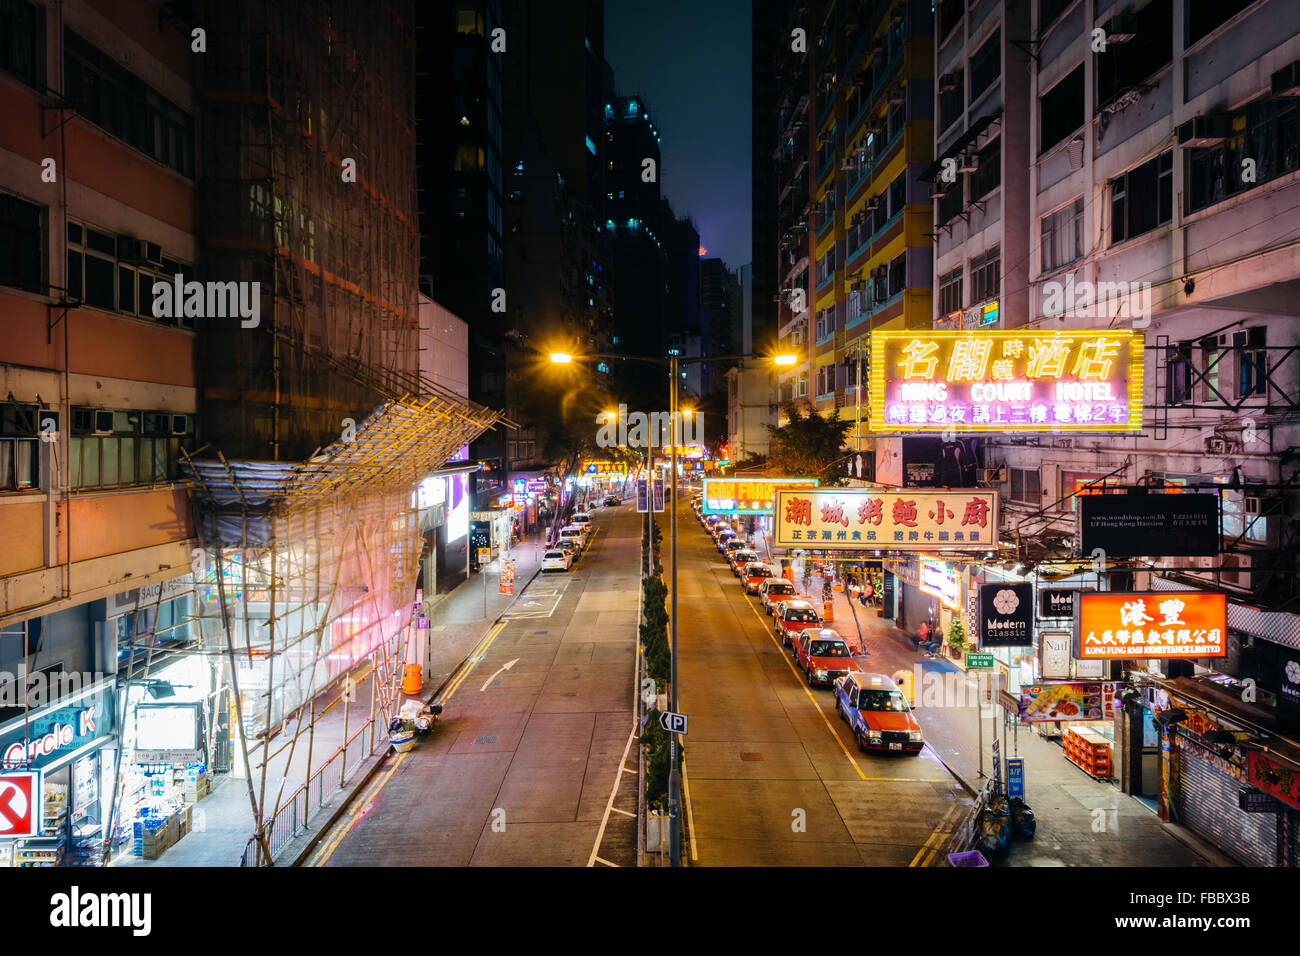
(412, 679)
(828, 611)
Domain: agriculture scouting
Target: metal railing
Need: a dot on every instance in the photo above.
(305, 802)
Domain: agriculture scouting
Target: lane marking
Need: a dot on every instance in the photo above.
(607, 863)
(626, 813)
(690, 815)
(932, 845)
(618, 779)
(811, 699)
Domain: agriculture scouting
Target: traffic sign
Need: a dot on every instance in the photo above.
(979, 662)
(20, 803)
(673, 723)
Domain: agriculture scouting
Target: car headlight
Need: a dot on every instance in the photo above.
(873, 735)
(914, 735)
(820, 674)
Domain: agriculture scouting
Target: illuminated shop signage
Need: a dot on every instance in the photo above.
(998, 380)
(898, 520)
(747, 496)
(618, 468)
(1151, 624)
(941, 581)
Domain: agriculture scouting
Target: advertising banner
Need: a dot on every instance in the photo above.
(1000, 380)
(658, 494)
(1056, 602)
(747, 496)
(642, 496)
(1068, 700)
(57, 732)
(1171, 525)
(1288, 695)
(1144, 624)
(616, 468)
(941, 581)
(1054, 654)
(1007, 614)
(1273, 777)
(889, 519)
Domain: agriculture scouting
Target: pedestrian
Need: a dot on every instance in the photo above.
(868, 595)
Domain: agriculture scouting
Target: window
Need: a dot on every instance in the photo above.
(1142, 198)
(985, 276)
(825, 324)
(897, 194)
(1266, 131)
(132, 447)
(801, 389)
(854, 305)
(19, 464)
(953, 101)
(1062, 236)
(898, 275)
(950, 14)
(950, 203)
(1178, 373)
(988, 170)
(161, 625)
(1127, 64)
(1061, 110)
(1202, 18)
(1025, 486)
(1252, 361)
(118, 276)
(986, 65)
(950, 292)
(1049, 10)
(826, 266)
(21, 243)
(22, 41)
(122, 104)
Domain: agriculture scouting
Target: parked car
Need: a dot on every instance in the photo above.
(722, 537)
(583, 518)
(557, 559)
(739, 558)
(878, 713)
(754, 574)
(576, 533)
(793, 616)
(772, 590)
(823, 655)
(732, 545)
(612, 500)
(710, 521)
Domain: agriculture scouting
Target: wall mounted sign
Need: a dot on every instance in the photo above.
(1170, 525)
(889, 519)
(747, 496)
(1006, 614)
(998, 380)
(1143, 624)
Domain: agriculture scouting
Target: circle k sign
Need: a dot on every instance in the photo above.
(20, 804)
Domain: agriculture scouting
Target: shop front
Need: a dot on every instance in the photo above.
(168, 739)
(491, 534)
(71, 747)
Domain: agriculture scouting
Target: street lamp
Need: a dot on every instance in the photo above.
(674, 416)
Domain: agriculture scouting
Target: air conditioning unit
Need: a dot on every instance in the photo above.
(824, 139)
(1218, 445)
(991, 476)
(969, 164)
(1121, 28)
(138, 252)
(103, 423)
(873, 202)
(796, 337)
(1286, 81)
(180, 425)
(898, 96)
(849, 165)
(880, 272)
(1204, 131)
(948, 83)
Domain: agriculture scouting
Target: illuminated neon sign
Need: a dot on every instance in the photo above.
(1001, 380)
(747, 496)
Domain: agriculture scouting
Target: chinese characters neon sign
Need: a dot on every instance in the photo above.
(899, 520)
(746, 495)
(1151, 624)
(1001, 380)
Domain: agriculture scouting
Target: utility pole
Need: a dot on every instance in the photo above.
(674, 783)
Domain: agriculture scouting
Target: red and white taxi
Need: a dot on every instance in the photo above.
(792, 617)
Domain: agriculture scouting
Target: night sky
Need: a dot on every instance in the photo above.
(691, 63)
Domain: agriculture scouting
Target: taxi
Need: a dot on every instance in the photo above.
(773, 590)
(878, 713)
(739, 558)
(753, 574)
(793, 616)
(823, 655)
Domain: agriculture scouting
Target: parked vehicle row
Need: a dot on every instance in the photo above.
(562, 554)
(872, 705)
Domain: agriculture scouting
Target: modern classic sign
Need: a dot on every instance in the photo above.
(890, 519)
(1026, 380)
(1007, 614)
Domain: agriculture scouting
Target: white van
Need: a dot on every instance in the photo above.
(575, 533)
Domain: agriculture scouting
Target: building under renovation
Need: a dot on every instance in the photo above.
(227, 486)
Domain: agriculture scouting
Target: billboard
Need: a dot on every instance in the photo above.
(613, 468)
(1171, 525)
(1141, 624)
(1004, 380)
(747, 496)
(1006, 614)
(941, 581)
(887, 518)
(1068, 700)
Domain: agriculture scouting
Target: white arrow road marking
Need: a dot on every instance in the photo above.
(503, 667)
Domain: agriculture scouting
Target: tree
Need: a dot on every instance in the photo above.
(809, 446)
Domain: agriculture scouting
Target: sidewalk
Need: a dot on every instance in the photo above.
(223, 821)
(1081, 821)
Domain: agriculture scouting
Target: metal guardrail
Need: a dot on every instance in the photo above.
(295, 813)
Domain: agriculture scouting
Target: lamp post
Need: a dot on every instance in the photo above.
(674, 417)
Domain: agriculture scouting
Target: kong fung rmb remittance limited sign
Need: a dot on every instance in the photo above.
(1006, 380)
(910, 519)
